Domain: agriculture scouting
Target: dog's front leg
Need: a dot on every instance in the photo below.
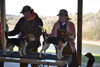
(24, 52)
(20, 53)
(63, 45)
(58, 54)
(24, 48)
(40, 55)
(45, 48)
(5, 51)
(11, 49)
(59, 50)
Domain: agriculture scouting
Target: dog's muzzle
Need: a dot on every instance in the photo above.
(32, 39)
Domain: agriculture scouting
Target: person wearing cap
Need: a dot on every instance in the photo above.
(91, 59)
(64, 23)
(29, 23)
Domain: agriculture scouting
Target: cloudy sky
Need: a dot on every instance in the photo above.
(51, 7)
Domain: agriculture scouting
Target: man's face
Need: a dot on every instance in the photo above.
(27, 14)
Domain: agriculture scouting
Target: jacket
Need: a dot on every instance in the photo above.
(24, 27)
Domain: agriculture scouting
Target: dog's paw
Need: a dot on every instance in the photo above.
(4, 54)
(45, 54)
(21, 55)
(61, 56)
(24, 54)
(40, 56)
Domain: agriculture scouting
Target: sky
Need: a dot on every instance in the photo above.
(51, 7)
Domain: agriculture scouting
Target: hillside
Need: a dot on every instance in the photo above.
(91, 22)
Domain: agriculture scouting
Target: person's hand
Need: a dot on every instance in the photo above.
(72, 36)
(3, 30)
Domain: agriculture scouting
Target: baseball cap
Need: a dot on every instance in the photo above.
(63, 12)
(26, 8)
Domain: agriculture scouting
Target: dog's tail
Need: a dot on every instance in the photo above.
(44, 35)
(43, 32)
(6, 36)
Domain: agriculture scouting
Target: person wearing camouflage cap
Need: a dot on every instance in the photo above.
(64, 23)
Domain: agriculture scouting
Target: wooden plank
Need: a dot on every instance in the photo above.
(3, 23)
(79, 30)
(33, 58)
(33, 61)
(0, 10)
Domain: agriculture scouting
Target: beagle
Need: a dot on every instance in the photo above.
(21, 43)
(60, 46)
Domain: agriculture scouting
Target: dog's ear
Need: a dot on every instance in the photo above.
(27, 38)
(67, 36)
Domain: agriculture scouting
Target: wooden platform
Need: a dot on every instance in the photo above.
(33, 58)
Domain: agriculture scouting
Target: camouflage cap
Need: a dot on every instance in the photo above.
(63, 12)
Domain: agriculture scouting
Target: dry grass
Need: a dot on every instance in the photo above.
(91, 22)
